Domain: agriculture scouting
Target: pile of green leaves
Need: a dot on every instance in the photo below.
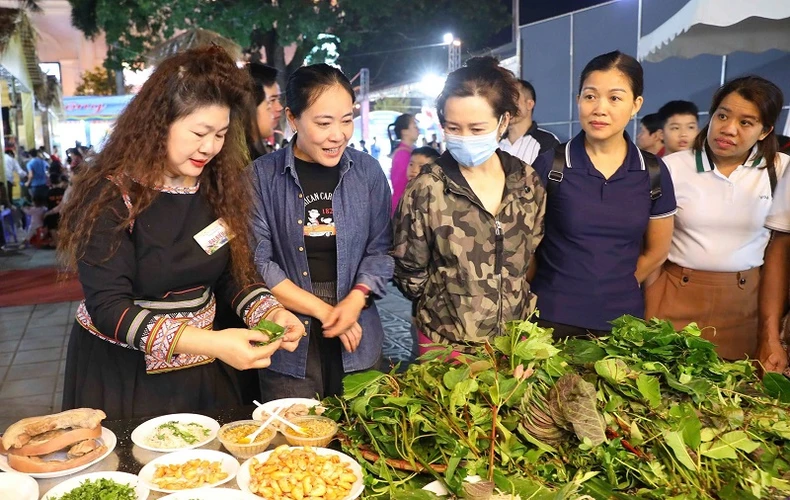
(646, 412)
(101, 489)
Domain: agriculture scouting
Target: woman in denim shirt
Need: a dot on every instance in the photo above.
(321, 229)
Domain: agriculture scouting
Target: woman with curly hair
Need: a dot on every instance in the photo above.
(156, 228)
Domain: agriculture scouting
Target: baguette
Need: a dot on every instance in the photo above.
(21, 433)
(38, 465)
(52, 441)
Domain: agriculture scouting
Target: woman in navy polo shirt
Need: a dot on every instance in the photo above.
(604, 234)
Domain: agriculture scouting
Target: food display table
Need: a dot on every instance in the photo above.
(128, 457)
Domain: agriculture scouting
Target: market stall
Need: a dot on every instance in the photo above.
(89, 119)
(644, 413)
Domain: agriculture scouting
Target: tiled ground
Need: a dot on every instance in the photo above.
(33, 344)
(32, 359)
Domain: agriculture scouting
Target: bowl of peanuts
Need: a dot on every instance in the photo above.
(294, 473)
(233, 437)
(317, 431)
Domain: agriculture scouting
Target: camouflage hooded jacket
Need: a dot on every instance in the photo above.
(467, 268)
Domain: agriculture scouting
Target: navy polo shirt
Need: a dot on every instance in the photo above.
(594, 233)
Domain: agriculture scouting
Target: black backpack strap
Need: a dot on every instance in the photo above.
(557, 167)
(654, 172)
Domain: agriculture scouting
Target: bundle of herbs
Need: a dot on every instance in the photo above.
(646, 412)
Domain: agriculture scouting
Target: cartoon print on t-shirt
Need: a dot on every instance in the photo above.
(320, 221)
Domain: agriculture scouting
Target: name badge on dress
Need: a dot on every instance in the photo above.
(213, 237)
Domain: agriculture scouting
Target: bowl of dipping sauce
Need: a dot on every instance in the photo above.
(233, 437)
(318, 431)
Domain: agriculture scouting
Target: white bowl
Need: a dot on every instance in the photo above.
(211, 494)
(119, 477)
(243, 477)
(282, 403)
(19, 486)
(229, 465)
(144, 430)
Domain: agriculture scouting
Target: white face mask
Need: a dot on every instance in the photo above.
(473, 150)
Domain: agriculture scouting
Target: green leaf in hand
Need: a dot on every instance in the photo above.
(272, 330)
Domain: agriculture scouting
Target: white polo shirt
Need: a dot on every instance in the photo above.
(720, 223)
(527, 147)
(779, 217)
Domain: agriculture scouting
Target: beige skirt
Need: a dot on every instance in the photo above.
(724, 306)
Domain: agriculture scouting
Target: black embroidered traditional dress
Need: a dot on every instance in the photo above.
(138, 302)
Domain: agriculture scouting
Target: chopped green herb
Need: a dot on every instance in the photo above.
(102, 489)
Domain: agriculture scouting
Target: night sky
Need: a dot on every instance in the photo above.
(387, 68)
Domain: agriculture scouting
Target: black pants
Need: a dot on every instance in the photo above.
(324, 372)
(562, 331)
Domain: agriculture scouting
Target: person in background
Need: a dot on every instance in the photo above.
(467, 227)
(36, 214)
(77, 158)
(724, 187)
(435, 144)
(606, 232)
(420, 157)
(268, 110)
(156, 229)
(55, 172)
(375, 149)
(404, 133)
(12, 167)
(680, 125)
(362, 146)
(55, 155)
(37, 179)
(524, 139)
(56, 200)
(651, 134)
(321, 231)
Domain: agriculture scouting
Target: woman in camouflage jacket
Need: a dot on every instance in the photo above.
(468, 225)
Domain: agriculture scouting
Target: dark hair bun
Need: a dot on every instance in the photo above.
(483, 63)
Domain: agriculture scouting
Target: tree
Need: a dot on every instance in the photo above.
(100, 81)
(268, 26)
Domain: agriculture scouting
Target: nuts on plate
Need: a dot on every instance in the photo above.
(192, 474)
(301, 473)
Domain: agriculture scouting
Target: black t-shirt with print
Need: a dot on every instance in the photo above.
(318, 184)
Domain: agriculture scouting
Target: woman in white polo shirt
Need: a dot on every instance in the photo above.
(724, 189)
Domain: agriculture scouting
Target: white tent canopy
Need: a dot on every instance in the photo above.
(719, 27)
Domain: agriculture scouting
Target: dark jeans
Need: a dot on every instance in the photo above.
(324, 372)
(562, 331)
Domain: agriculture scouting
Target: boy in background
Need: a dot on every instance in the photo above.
(651, 134)
(418, 159)
(680, 125)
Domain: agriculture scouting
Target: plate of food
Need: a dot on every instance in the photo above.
(98, 485)
(18, 486)
(176, 432)
(289, 408)
(300, 467)
(211, 494)
(189, 470)
(56, 445)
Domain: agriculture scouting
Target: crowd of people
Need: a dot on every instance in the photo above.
(42, 180)
(187, 230)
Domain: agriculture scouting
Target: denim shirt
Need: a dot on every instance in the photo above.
(361, 206)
